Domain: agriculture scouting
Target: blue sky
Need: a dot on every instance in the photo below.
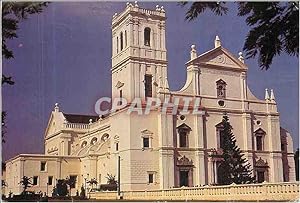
(64, 55)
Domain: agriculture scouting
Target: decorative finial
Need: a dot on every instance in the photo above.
(272, 97)
(162, 9)
(241, 58)
(193, 52)
(267, 97)
(136, 4)
(166, 84)
(115, 15)
(157, 7)
(217, 42)
(90, 121)
(56, 108)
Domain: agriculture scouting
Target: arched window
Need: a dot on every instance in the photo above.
(221, 88)
(125, 38)
(84, 143)
(147, 33)
(121, 40)
(94, 140)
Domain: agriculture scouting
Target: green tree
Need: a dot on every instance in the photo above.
(234, 168)
(274, 26)
(71, 182)
(62, 187)
(26, 183)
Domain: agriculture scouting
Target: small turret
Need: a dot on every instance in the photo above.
(241, 57)
(272, 97)
(56, 108)
(217, 42)
(193, 52)
(267, 97)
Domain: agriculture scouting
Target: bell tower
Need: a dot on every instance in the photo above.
(138, 52)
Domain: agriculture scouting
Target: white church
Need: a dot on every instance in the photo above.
(160, 150)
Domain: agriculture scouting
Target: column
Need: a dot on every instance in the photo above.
(199, 153)
(273, 137)
(166, 152)
(166, 168)
(292, 170)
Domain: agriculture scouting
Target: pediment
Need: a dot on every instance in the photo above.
(146, 132)
(50, 126)
(184, 161)
(261, 163)
(259, 131)
(219, 57)
(184, 127)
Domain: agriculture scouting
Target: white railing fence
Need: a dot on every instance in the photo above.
(249, 192)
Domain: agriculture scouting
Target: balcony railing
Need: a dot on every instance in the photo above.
(247, 192)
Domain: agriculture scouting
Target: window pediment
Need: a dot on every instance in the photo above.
(184, 127)
(220, 125)
(146, 131)
(259, 131)
(184, 161)
(261, 163)
(221, 82)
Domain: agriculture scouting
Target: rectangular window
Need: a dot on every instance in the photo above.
(121, 96)
(148, 85)
(150, 178)
(73, 181)
(35, 180)
(221, 134)
(117, 146)
(43, 166)
(259, 143)
(260, 176)
(182, 139)
(50, 180)
(146, 143)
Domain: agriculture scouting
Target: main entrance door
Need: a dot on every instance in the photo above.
(183, 178)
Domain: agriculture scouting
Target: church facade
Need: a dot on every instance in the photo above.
(160, 150)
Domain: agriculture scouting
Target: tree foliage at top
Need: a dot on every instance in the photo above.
(12, 14)
(274, 27)
(234, 168)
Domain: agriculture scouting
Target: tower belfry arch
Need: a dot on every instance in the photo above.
(139, 57)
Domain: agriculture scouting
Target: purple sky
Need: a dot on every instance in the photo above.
(64, 55)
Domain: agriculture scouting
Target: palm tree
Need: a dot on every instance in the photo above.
(25, 182)
(111, 179)
(93, 182)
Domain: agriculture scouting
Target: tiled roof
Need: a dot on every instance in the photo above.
(73, 118)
